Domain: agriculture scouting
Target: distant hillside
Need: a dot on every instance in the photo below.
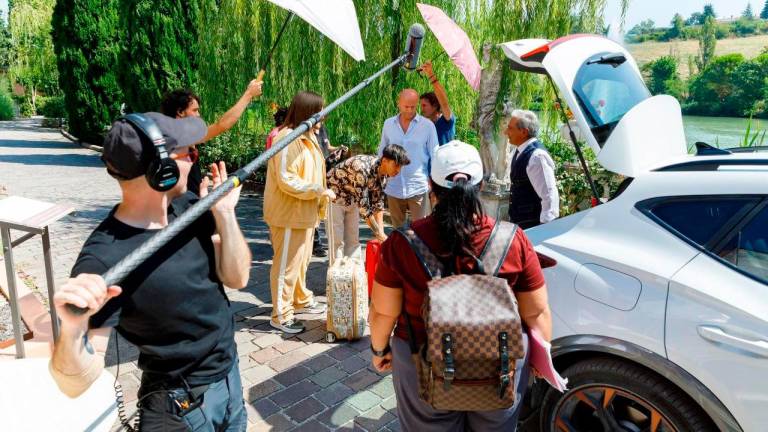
(648, 51)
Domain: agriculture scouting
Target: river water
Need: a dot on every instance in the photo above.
(721, 131)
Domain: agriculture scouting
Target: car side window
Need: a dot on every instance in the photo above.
(747, 248)
(699, 218)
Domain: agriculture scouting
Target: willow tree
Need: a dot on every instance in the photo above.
(159, 51)
(86, 42)
(236, 34)
(34, 62)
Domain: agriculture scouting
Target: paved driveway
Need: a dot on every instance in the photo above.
(297, 383)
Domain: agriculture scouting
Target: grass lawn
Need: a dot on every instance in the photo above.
(648, 51)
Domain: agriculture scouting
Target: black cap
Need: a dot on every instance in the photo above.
(128, 152)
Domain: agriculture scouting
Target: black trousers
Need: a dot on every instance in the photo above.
(318, 242)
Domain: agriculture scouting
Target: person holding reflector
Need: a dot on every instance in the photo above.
(185, 103)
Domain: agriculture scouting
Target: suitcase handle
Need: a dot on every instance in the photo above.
(331, 237)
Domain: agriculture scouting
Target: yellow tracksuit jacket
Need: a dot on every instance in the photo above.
(295, 180)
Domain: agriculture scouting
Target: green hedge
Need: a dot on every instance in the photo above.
(51, 107)
(26, 109)
(6, 106)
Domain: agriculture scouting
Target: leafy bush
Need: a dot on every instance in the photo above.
(51, 107)
(750, 86)
(690, 33)
(711, 90)
(26, 109)
(575, 193)
(6, 106)
(746, 27)
(722, 31)
(729, 86)
(237, 148)
(662, 77)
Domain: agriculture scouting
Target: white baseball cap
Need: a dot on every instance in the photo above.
(456, 157)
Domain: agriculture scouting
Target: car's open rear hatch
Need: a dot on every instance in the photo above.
(629, 130)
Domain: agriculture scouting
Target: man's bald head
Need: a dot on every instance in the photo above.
(408, 93)
(407, 102)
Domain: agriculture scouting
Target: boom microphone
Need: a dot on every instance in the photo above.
(413, 45)
(129, 263)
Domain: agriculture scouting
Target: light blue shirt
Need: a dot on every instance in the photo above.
(420, 143)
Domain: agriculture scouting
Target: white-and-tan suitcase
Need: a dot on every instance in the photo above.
(347, 292)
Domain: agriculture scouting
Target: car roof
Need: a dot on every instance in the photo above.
(733, 161)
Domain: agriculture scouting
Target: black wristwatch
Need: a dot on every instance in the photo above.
(382, 353)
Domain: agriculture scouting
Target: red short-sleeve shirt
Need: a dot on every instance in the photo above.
(399, 267)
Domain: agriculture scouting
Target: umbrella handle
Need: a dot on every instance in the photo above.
(433, 60)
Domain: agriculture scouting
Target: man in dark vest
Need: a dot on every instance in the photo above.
(533, 197)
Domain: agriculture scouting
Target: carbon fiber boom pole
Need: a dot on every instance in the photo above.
(129, 263)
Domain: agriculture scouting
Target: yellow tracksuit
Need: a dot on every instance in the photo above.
(292, 209)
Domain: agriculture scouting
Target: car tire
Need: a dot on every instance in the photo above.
(629, 387)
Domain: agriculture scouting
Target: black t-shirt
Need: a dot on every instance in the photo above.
(322, 139)
(194, 178)
(173, 306)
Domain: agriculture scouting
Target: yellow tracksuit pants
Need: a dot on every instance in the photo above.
(288, 275)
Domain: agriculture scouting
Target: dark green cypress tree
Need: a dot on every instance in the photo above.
(6, 46)
(709, 11)
(764, 12)
(160, 49)
(85, 38)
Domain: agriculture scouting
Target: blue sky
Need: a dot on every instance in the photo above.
(662, 11)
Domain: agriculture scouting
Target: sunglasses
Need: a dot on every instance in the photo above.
(193, 155)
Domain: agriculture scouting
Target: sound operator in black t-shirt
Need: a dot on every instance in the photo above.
(173, 306)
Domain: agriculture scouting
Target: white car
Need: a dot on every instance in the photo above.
(659, 296)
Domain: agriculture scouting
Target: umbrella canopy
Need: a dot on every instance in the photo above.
(455, 42)
(336, 19)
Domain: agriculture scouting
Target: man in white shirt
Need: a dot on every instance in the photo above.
(409, 190)
(533, 198)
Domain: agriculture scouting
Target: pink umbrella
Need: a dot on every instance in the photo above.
(455, 42)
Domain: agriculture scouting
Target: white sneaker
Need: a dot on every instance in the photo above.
(313, 309)
(291, 326)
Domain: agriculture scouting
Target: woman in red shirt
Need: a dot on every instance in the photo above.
(456, 230)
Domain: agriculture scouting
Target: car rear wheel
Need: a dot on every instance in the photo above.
(611, 395)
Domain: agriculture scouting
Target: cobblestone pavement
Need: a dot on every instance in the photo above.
(290, 383)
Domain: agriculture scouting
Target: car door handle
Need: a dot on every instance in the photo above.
(716, 334)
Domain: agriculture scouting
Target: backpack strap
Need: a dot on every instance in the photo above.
(497, 247)
(431, 265)
(429, 261)
(504, 380)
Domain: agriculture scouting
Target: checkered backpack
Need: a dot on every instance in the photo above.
(474, 331)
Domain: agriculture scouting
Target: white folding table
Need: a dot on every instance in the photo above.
(33, 217)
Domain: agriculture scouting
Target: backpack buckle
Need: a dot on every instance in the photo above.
(449, 371)
(503, 364)
(503, 385)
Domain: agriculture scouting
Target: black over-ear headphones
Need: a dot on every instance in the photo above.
(163, 172)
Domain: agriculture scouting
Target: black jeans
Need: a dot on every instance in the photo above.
(319, 243)
(221, 408)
